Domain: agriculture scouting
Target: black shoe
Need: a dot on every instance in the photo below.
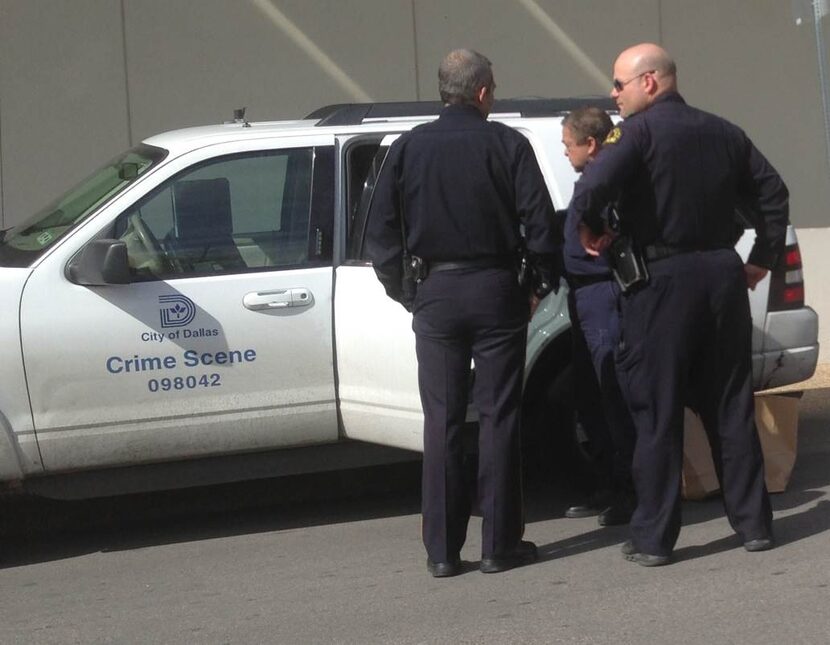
(631, 554)
(759, 544)
(444, 569)
(524, 553)
(594, 505)
(617, 514)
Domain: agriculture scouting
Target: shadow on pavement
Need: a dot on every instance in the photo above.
(36, 530)
(787, 530)
(41, 530)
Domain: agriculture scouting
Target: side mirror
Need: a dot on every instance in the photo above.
(99, 263)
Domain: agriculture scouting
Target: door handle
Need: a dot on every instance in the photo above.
(277, 299)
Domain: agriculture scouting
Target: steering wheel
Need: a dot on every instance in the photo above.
(160, 261)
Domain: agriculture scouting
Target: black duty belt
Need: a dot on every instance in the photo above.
(478, 263)
(660, 251)
(584, 280)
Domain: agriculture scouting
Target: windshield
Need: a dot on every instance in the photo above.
(26, 242)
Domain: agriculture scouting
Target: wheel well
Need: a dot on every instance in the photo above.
(555, 359)
(552, 451)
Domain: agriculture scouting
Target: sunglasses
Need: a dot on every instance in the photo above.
(620, 85)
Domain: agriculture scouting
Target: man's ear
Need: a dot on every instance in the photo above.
(651, 84)
(593, 146)
(482, 93)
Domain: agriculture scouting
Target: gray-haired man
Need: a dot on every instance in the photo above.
(462, 185)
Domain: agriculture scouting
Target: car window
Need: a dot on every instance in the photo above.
(363, 163)
(244, 212)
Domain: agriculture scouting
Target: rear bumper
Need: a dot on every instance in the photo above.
(790, 351)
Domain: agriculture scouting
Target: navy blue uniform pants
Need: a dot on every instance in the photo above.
(689, 330)
(461, 315)
(596, 332)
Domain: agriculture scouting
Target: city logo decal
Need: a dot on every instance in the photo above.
(176, 310)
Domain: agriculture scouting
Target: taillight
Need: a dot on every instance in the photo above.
(786, 287)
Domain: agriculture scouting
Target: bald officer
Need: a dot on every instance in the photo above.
(678, 174)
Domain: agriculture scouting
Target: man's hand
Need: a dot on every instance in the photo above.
(754, 274)
(594, 244)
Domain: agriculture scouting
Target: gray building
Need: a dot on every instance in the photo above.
(81, 80)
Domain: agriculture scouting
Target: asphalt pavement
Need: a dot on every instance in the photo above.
(337, 558)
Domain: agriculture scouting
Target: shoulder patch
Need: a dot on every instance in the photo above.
(613, 136)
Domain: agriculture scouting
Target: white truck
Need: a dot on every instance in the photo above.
(203, 298)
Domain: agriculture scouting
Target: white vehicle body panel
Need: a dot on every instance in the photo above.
(89, 411)
(377, 368)
(18, 446)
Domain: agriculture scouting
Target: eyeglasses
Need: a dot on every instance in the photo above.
(620, 85)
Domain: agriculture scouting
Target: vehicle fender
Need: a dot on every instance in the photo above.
(19, 454)
(11, 468)
(550, 321)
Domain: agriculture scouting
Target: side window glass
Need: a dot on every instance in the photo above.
(363, 163)
(231, 214)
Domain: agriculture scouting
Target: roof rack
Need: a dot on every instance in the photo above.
(355, 113)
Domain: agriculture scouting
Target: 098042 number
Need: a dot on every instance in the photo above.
(183, 382)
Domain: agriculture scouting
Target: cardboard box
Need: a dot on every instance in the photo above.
(777, 419)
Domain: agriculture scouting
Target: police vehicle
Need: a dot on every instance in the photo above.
(204, 296)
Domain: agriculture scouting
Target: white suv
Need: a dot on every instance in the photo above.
(205, 295)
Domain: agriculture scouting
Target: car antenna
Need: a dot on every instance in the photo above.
(239, 117)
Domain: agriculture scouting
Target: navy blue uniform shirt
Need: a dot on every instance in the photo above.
(464, 184)
(677, 174)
